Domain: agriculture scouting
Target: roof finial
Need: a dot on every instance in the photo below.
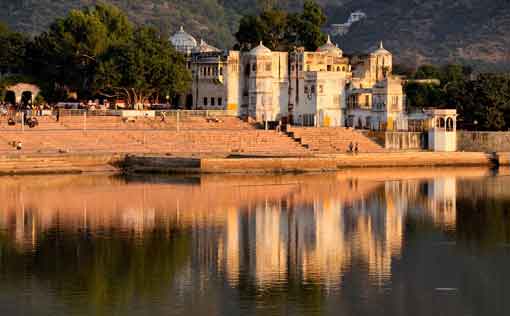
(381, 45)
(260, 44)
(329, 40)
(181, 28)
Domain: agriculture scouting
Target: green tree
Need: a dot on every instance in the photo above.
(67, 54)
(12, 51)
(140, 68)
(270, 27)
(494, 119)
(282, 31)
(427, 72)
(309, 26)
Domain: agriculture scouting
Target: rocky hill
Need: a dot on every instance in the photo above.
(417, 31)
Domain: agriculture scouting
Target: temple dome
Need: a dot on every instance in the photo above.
(329, 47)
(260, 50)
(381, 50)
(182, 41)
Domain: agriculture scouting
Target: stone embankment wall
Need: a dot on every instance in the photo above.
(19, 164)
(338, 162)
(483, 141)
(41, 164)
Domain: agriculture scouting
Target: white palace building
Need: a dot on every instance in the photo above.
(320, 88)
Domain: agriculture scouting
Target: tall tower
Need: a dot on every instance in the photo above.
(381, 63)
(260, 90)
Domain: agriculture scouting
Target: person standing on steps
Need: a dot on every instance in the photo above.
(351, 145)
(356, 149)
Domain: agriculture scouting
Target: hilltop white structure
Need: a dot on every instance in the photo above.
(320, 88)
(343, 28)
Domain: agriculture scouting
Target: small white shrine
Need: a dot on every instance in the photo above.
(442, 134)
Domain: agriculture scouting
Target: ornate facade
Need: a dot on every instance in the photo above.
(321, 88)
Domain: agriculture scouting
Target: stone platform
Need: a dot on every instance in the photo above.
(319, 163)
(162, 163)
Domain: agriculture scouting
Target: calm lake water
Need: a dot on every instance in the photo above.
(360, 242)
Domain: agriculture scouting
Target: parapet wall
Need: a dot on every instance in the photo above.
(483, 141)
(466, 141)
(405, 141)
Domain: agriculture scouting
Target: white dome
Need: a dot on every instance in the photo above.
(330, 48)
(260, 50)
(381, 50)
(183, 41)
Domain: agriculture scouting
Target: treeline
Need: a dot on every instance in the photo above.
(282, 30)
(482, 101)
(95, 52)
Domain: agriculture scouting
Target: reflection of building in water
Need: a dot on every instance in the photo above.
(269, 238)
(378, 235)
(329, 255)
(229, 247)
(305, 231)
(442, 197)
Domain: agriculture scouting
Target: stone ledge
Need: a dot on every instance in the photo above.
(159, 163)
(340, 161)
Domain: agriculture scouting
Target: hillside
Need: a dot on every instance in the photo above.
(474, 31)
(417, 31)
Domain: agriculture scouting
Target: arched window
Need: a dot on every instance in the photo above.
(440, 122)
(449, 124)
(26, 97)
(338, 68)
(10, 97)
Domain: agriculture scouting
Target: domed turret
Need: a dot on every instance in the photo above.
(381, 50)
(331, 48)
(260, 50)
(183, 42)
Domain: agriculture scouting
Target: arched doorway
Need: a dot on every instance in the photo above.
(24, 92)
(189, 101)
(26, 97)
(10, 97)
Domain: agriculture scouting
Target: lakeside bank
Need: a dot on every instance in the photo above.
(24, 164)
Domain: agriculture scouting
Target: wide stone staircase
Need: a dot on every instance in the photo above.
(196, 136)
(330, 140)
(188, 136)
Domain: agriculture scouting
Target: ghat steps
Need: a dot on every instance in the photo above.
(192, 136)
(195, 136)
(329, 140)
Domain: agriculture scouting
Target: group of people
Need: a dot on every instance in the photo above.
(353, 148)
(28, 109)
